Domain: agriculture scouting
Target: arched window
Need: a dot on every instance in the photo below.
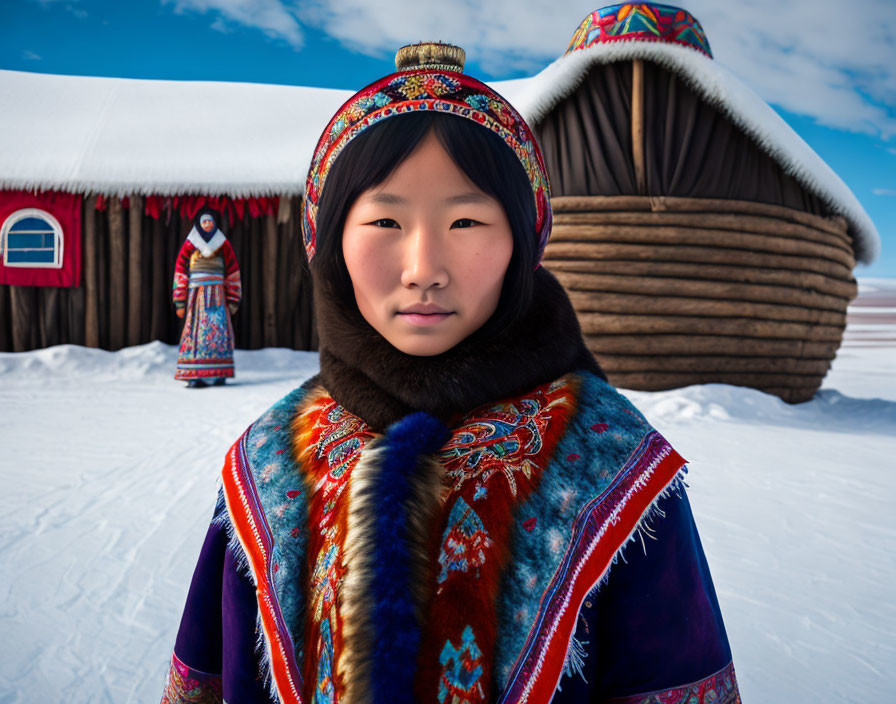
(32, 238)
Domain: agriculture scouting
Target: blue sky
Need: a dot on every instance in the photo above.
(829, 71)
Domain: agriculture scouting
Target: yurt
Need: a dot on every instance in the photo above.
(701, 240)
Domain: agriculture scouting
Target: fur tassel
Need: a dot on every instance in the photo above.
(394, 612)
(393, 496)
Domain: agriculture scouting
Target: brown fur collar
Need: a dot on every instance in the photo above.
(380, 384)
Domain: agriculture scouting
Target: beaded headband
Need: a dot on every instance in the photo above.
(429, 78)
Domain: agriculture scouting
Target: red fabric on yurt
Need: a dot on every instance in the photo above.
(66, 208)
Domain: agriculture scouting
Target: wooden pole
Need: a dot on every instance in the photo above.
(681, 345)
(713, 290)
(638, 124)
(613, 324)
(696, 254)
(49, 313)
(252, 282)
(24, 317)
(648, 304)
(701, 236)
(719, 272)
(91, 298)
(576, 223)
(5, 320)
(721, 363)
(136, 289)
(835, 225)
(270, 258)
(118, 270)
(655, 381)
(160, 287)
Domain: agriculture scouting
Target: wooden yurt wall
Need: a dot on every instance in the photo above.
(127, 272)
(689, 254)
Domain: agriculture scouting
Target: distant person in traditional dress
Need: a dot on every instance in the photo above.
(207, 293)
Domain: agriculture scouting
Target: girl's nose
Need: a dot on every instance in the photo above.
(424, 263)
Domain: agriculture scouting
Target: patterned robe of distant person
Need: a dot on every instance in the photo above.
(207, 292)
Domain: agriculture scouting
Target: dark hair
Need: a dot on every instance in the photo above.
(372, 156)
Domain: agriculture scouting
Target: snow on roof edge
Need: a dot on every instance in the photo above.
(149, 188)
(724, 91)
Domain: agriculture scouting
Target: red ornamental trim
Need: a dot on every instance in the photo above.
(718, 688)
(186, 685)
(187, 206)
(602, 528)
(255, 537)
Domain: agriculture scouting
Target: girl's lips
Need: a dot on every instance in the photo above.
(423, 319)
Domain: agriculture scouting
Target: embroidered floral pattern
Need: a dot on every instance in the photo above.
(185, 685)
(720, 688)
(333, 439)
(461, 671)
(640, 21)
(431, 90)
(503, 439)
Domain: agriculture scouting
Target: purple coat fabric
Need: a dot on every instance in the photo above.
(653, 625)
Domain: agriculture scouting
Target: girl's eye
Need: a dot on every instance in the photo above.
(384, 222)
(465, 222)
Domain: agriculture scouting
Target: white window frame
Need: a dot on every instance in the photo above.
(59, 238)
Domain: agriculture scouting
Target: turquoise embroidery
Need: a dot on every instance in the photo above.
(464, 541)
(461, 671)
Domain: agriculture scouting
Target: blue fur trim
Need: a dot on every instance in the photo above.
(393, 618)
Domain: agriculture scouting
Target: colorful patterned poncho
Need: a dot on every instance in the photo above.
(537, 549)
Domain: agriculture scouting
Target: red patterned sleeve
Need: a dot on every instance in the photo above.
(232, 285)
(182, 274)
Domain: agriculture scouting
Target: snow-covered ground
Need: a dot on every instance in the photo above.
(107, 482)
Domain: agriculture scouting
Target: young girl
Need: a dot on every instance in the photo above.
(207, 293)
(455, 509)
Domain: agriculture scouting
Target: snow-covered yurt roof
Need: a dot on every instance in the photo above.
(121, 136)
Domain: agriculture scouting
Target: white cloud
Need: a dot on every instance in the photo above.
(275, 18)
(831, 61)
(884, 191)
(30, 55)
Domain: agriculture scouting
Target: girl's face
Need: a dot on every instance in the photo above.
(208, 224)
(427, 252)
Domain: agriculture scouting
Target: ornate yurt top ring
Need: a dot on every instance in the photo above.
(640, 21)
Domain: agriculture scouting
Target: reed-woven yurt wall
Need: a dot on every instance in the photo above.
(127, 272)
(689, 254)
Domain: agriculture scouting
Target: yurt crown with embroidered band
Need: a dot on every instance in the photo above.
(429, 77)
(640, 21)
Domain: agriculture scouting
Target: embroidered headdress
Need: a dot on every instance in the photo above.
(429, 77)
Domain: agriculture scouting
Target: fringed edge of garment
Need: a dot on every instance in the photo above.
(535, 676)
(263, 644)
(235, 547)
(576, 653)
